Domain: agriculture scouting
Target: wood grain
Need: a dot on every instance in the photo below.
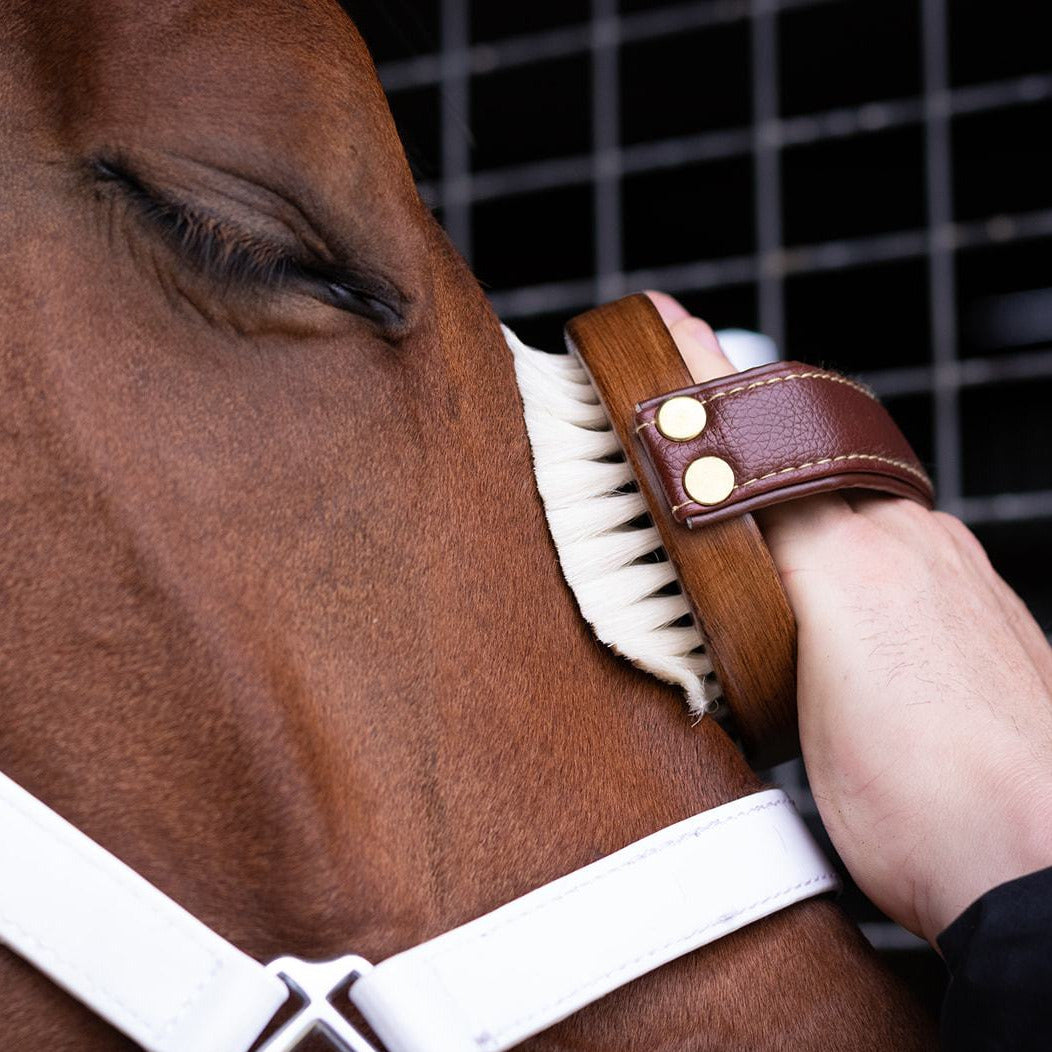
(725, 569)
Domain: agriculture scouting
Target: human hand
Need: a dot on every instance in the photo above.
(924, 690)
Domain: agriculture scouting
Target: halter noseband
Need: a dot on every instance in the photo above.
(172, 984)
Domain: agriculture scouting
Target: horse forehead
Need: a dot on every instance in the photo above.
(293, 70)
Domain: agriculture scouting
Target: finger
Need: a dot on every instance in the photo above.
(966, 542)
(670, 309)
(696, 342)
(939, 534)
(700, 350)
(864, 500)
(1026, 629)
(797, 533)
(906, 519)
(1017, 615)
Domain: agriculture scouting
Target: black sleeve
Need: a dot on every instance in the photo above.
(999, 952)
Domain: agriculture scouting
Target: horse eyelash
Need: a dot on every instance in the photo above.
(223, 253)
(220, 253)
(211, 246)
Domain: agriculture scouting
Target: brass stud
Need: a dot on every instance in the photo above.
(681, 418)
(708, 480)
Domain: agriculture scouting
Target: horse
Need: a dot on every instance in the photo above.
(281, 624)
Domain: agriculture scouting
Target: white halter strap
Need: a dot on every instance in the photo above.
(171, 984)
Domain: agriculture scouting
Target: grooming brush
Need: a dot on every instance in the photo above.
(610, 552)
(650, 480)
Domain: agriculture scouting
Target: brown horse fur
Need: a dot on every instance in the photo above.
(280, 622)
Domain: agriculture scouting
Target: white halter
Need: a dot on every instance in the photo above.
(171, 984)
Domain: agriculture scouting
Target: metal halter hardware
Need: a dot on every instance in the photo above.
(314, 982)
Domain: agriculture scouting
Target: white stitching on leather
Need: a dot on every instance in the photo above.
(104, 992)
(815, 463)
(833, 460)
(833, 378)
(544, 901)
(487, 1040)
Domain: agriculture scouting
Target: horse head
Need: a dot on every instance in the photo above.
(280, 621)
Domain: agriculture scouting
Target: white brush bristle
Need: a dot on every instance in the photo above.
(625, 586)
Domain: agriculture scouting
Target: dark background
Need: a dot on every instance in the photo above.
(867, 181)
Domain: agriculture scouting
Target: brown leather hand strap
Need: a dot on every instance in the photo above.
(773, 434)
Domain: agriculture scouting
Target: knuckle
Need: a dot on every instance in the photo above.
(962, 536)
(950, 522)
(696, 329)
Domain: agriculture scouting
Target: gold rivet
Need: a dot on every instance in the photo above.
(708, 480)
(681, 418)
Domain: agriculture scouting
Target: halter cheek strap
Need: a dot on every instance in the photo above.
(171, 984)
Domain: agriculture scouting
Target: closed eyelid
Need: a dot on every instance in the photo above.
(230, 254)
(222, 251)
(216, 246)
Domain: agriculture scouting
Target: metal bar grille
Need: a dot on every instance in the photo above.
(939, 246)
(606, 155)
(734, 142)
(767, 166)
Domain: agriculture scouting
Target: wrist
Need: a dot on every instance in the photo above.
(1006, 834)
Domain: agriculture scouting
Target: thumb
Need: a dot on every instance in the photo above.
(695, 340)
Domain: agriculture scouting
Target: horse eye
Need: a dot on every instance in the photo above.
(349, 298)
